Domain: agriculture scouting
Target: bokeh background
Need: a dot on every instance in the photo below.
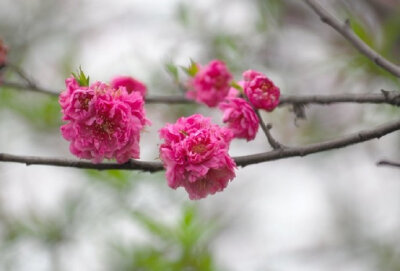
(330, 211)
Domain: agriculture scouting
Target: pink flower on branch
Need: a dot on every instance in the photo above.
(104, 122)
(261, 91)
(130, 83)
(195, 155)
(240, 117)
(210, 84)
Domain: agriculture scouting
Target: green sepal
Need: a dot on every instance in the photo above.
(193, 68)
(81, 77)
(234, 84)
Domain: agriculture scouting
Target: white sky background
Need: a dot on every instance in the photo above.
(278, 211)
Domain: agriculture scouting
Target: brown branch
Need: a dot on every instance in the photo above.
(345, 30)
(34, 88)
(388, 163)
(355, 138)
(286, 152)
(386, 97)
(21, 73)
(266, 129)
(60, 162)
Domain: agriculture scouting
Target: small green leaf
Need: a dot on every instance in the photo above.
(234, 84)
(82, 79)
(173, 70)
(193, 68)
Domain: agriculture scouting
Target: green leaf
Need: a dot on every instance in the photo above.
(153, 226)
(234, 84)
(173, 70)
(193, 68)
(82, 79)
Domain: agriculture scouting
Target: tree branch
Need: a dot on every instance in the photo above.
(345, 30)
(242, 161)
(266, 129)
(388, 163)
(386, 97)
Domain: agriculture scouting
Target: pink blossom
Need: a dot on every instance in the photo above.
(103, 122)
(211, 83)
(241, 118)
(251, 74)
(3, 53)
(195, 155)
(261, 91)
(130, 83)
(75, 100)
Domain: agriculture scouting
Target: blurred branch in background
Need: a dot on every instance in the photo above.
(346, 31)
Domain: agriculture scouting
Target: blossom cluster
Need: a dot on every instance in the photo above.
(195, 155)
(213, 85)
(104, 121)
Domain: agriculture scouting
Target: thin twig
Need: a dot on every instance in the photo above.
(21, 74)
(34, 88)
(272, 142)
(386, 97)
(150, 166)
(388, 163)
(345, 30)
(266, 129)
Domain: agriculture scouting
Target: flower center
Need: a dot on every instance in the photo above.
(265, 86)
(199, 148)
(85, 103)
(105, 128)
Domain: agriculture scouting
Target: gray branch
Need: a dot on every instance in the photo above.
(388, 163)
(385, 97)
(345, 30)
(152, 166)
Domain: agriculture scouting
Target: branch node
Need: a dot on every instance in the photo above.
(385, 93)
(347, 24)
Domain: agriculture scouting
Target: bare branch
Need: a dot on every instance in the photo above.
(388, 163)
(344, 141)
(266, 129)
(150, 166)
(28, 87)
(386, 97)
(59, 162)
(21, 74)
(345, 30)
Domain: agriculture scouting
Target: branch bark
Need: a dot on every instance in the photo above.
(388, 163)
(345, 30)
(385, 97)
(152, 166)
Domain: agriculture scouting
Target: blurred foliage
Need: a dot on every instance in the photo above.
(387, 45)
(269, 14)
(119, 180)
(41, 111)
(183, 246)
